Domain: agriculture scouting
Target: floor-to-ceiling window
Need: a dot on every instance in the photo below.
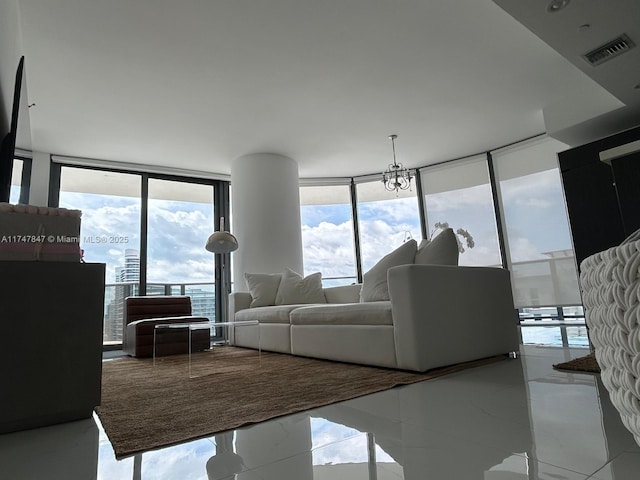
(538, 239)
(20, 179)
(149, 230)
(180, 219)
(327, 233)
(537, 231)
(386, 219)
(459, 194)
(110, 232)
(16, 181)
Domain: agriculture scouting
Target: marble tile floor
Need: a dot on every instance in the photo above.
(517, 419)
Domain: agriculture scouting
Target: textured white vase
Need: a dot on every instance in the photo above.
(610, 283)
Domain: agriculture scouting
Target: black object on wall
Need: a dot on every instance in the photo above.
(603, 201)
(7, 150)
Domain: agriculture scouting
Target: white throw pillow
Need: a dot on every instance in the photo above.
(441, 250)
(294, 289)
(263, 288)
(374, 282)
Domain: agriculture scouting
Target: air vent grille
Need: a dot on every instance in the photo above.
(609, 50)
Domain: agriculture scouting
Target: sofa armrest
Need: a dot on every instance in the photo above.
(444, 315)
(238, 301)
(343, 293)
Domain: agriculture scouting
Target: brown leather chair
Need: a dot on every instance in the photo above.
(142, 314)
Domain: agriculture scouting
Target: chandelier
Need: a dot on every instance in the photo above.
(396, 177)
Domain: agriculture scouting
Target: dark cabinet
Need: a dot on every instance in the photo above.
(51, 315)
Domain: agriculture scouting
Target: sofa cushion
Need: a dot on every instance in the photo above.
(440, 250)
(294, 289)
(369, 313)
(263, 288)
(271, 314)
(374, 282)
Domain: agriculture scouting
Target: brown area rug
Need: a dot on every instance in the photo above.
(146, 406)
(588, 363)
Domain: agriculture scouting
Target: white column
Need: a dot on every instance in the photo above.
(265, 216)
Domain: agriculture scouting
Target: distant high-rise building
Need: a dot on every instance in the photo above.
(130, 272)
(203, 301)
(128, 275)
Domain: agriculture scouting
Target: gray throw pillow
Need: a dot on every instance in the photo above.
(294, 289)
(263, 288)
(374, 282)
(440, 250)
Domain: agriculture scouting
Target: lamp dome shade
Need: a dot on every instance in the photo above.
(221, 242)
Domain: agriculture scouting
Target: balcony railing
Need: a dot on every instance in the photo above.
(203, 302)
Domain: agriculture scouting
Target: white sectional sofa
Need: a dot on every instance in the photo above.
(435, 315)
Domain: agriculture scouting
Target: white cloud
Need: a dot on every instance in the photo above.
(522, 249)
(329, 248)
(532, 190)
(401, 210)
(458, 199)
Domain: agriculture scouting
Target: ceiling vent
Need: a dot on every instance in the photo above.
(609, 50)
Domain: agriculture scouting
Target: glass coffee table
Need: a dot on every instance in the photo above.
(192, 327)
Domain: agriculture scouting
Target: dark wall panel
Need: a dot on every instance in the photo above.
(626, 173)
(603, 201)
(596, 222)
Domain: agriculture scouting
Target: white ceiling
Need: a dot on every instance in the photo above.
(194, 84)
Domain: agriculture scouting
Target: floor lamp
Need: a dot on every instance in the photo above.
(222, 242)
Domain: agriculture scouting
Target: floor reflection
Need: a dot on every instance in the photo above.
(516, 419)
(59, 452)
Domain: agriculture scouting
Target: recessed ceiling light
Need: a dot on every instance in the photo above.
(557, 5)
(584, 27)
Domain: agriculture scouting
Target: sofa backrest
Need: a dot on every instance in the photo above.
(140, 308)
(343, 293)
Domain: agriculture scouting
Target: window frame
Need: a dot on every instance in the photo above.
(221, 208)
